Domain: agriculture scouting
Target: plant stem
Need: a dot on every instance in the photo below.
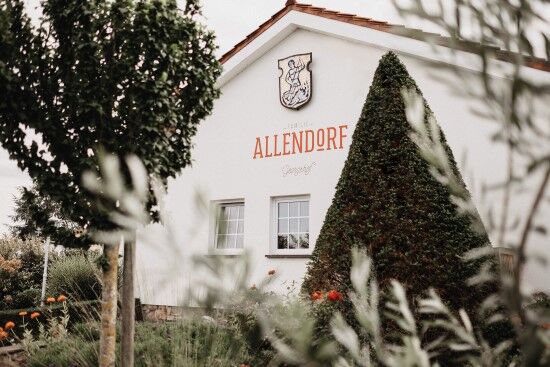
(520, 255)
(506, 197)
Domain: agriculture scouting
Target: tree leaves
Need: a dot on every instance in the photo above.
(132, 77)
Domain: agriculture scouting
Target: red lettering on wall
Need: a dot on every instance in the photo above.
(258, 149)
(297, 143)
(309, 148)
(342, 135)
(320, 139)
(267, 154)
(331, 137)
(286, 143)
(327, 138)
(275, 154)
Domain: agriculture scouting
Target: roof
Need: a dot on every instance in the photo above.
(463, 45)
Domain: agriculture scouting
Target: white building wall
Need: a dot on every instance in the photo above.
(249, 107)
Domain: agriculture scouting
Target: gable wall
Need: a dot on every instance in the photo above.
(249, 107)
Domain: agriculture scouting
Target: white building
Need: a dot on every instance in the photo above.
(264, 174)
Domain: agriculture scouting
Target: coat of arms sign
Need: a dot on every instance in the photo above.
(295, 81)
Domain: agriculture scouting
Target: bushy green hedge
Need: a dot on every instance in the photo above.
(388, 202)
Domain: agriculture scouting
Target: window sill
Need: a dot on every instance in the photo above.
(230, 253)
(288, 256)
(222, 254)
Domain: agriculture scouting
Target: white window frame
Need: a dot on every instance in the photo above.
(275, 226)
(215, 214)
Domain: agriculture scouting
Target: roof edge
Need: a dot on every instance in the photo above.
(400, 30)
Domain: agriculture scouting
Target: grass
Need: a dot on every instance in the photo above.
(189, 343)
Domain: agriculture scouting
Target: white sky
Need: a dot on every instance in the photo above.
(232, 20)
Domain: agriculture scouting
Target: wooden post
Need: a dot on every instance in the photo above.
(107, 342)
(45, 273)
(128, 305)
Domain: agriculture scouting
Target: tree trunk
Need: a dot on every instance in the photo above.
(107, 343)
(128, 305)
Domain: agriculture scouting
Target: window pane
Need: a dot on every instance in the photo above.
(221, 241)
(231, 241)
(293, 241)
(304, 224)
(224, 213)
(222, 227)
(283, 226)
(235, 211)
(240, 241)
(294, 208)
(230, 223)
(304, 240)
(283, 210)
(232, 227)
(304, 208)
(293, 225)
(282, 242)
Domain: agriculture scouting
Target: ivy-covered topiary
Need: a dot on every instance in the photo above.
(388, 202)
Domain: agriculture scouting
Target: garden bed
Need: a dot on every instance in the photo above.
(77, 311)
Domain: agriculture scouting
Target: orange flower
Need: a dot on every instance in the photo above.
(334, 296)
(50, 300)
(315, 296)
(23, 313)
(244, 365)
(9, 325)
(35, 314)
(3, 335)
(61, 298)
(271, 272)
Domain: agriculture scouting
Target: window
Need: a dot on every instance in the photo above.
(292, 225)
(230, 226)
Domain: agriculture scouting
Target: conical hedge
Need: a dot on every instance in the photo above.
(388, 202)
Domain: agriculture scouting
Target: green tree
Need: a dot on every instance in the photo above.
(36, 215)
(388, 202)
(128, 77)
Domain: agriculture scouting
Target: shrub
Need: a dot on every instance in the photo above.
(293, 335)
(75, 275)
(21, 268)
(244, 322)
(78, 312)
(88, 330)
(69, 352)
(195, 342)
(388, 202)
(28, 298)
